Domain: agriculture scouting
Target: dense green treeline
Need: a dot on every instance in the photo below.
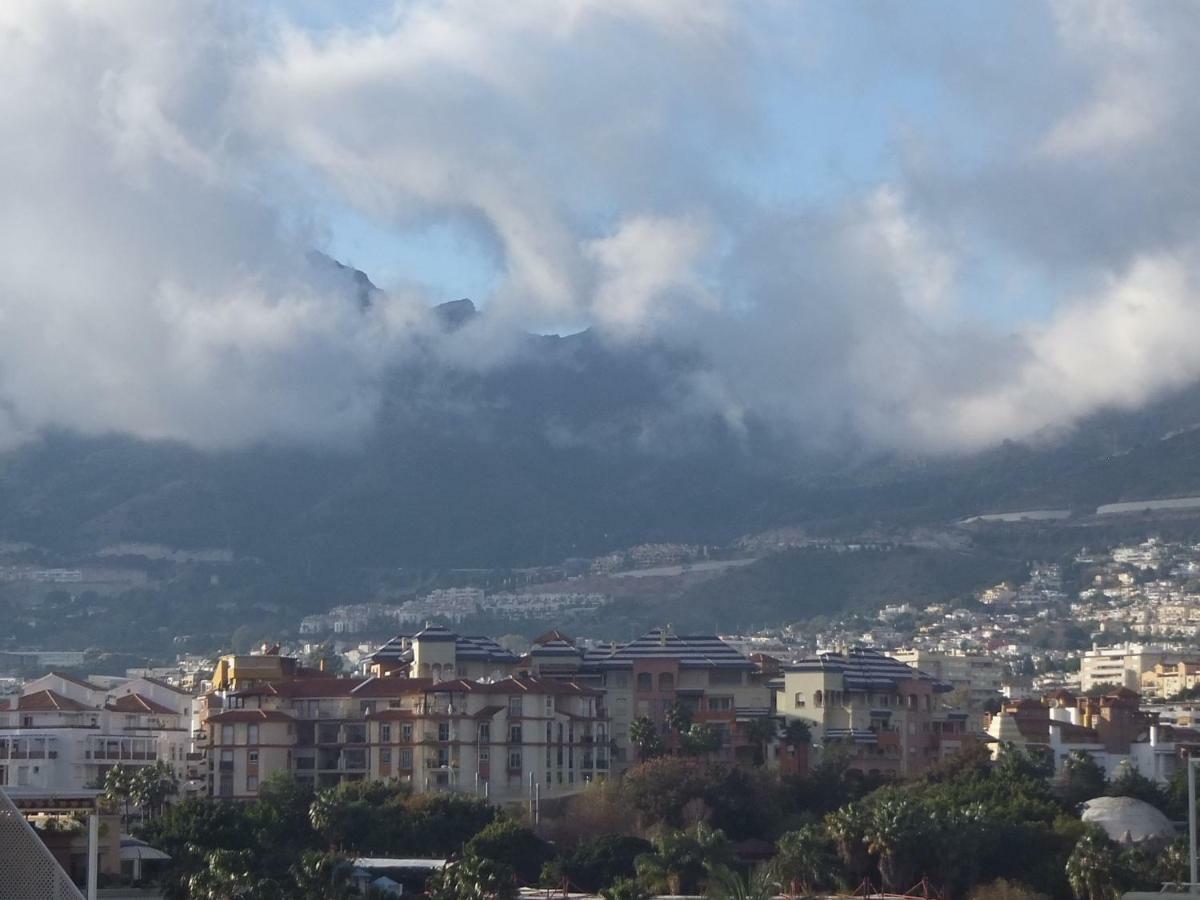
(970, 827)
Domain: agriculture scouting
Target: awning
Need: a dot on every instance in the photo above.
(132, 848)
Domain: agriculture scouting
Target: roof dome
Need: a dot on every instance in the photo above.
(1128, 820)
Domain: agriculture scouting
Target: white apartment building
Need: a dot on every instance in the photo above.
(65, 733)
(1121, 665)
(974, 678)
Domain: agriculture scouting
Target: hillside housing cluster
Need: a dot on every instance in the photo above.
(442, 711)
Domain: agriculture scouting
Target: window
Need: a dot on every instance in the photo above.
(720, 703)
(327, 733)
(644, 681)
(26, 721)
(666, 681)
(549, 705)
(385, 734)
(485, 732)
(252, 756)
(226, 786)
(514, 734)
(514, 706)
(443, 731)
(406, 732)
(226, 734)
(484, 754)
(799, 699)
(818, 699)
(251, 734)
(514, 760)
(385, 756)
(366, 707)
(251, 784)
(405, 757)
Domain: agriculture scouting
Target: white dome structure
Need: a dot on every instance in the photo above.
(1127, 820)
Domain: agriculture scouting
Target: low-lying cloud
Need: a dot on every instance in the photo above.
(168, 168)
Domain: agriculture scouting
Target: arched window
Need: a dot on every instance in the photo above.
(799, 699)
(666, 681)
(818, 698)
(645, 682)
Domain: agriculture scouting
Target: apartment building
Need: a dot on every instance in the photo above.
(1113, 728)
(974, 678)
(64, 733)
(1122, 665)
(1167, 680)
(493, 738)
(884, 713)
(445, 711)
(717, 684)
(437, 652)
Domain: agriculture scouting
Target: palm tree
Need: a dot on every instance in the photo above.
(327, 815)
(474, 878)
(804, 860)
(759, 884)
(678, 717)
(152, 786)
(893, 830)
(847, 826)
(645, 737)
(118, 789)
(797, 732)
(760, 732)
(1091, 868)
(322, 876)
(232, 875)
(681, 859)
(625, 889)
(700, 740)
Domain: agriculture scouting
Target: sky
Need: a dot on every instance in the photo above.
(936, 226)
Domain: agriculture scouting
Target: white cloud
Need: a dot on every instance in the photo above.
(162, 163)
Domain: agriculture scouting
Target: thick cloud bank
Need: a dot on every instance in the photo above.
(932, 234)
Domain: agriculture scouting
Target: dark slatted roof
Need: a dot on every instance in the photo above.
(466, 647)
(865, 669)
(691, 650)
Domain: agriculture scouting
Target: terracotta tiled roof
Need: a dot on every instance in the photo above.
(316, 687)
(48, 701)
(231, 716)
(553, 635)
(136, 703)
(1033, 729)
(391, 686)
(527, 684)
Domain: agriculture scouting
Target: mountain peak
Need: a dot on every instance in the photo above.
(455, 313)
